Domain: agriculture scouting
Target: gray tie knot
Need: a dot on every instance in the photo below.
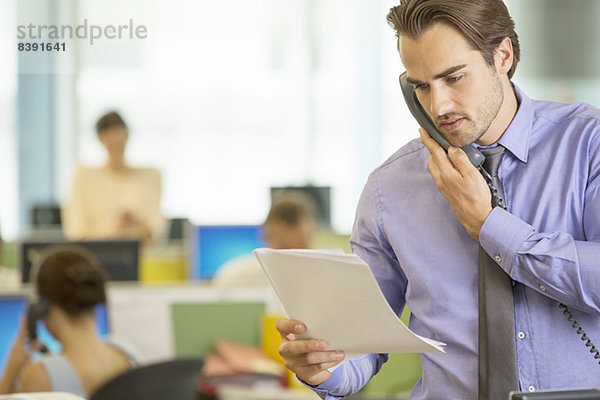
(493, 156)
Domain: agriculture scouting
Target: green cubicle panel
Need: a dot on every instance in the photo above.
(10, 254)
(399, 375)
(196, 326)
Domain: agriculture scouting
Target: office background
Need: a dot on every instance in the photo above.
(228, 99)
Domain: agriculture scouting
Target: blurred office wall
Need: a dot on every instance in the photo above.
(228, 98)
(560, 49)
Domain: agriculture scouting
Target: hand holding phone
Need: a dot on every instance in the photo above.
(36, 311)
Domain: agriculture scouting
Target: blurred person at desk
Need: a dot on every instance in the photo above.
(290, 224)
(116, 200)
(69, 285)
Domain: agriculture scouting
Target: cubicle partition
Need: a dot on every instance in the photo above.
(165, 321)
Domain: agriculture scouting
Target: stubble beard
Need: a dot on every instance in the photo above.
(482, 118)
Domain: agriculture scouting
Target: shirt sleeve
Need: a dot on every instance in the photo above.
(350, 376)
(371, 245)
(369, 241)
(552, 263)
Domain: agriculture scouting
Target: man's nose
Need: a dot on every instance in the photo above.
(441, 102)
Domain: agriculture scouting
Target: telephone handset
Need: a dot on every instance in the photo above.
(423, 119)
(35, 312)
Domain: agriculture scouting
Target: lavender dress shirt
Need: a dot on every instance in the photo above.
(548, 241)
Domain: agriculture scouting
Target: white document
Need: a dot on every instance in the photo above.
(338, 299)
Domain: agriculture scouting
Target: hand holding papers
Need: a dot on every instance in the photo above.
(336, 296)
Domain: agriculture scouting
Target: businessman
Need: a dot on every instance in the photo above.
(493, 273)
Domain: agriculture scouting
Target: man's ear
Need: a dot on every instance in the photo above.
(503, 56)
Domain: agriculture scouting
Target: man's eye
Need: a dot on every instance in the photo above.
(455, 78)
(421, 86)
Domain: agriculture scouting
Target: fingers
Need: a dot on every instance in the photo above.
(287, 327)
(461, 162)
(309, 359)
(301, 353)
(460, 183)
(440, 161)
(297, 347)
(37, 345)
(432, 146)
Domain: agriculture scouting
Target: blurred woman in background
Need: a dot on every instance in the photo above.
(69, 285)
(116, 201)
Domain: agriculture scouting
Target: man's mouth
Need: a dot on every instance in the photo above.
(451, 124)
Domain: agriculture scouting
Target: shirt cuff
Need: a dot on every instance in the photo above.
(329, 385)
(501, 236)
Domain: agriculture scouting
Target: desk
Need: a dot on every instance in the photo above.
(233, 393)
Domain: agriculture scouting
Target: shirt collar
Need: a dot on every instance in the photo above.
(516, 136)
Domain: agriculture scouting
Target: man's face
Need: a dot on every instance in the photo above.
(461, 92)
(280, 235)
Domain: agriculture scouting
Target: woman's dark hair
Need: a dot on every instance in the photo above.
(483, 23)
(110, 120)
(69, 277)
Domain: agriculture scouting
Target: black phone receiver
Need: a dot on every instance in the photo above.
(423, 119)
(36, 311)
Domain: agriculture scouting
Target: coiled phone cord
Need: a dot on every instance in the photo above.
(584, 337)
(566, 311)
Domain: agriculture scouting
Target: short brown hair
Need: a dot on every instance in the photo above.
(483, 23)
(290, 207)
(110, 120)
(69, 277)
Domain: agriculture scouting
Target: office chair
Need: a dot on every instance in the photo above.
(174, 380)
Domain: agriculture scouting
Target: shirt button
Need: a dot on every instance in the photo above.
(521, 335)
(498, 258)
(542, 288)
(531, 388)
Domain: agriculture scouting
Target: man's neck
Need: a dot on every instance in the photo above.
(504, 117)
(117, 166)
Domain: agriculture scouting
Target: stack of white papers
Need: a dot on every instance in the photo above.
(337, 297)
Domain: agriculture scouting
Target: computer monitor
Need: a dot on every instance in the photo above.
(178, 229)
(12, 307)
(45, 216)
(321, 195)
(120, 258)
(213, 245)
